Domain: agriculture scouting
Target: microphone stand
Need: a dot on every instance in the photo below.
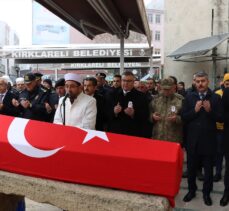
(64, 105)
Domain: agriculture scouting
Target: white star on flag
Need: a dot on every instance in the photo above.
(94, 133)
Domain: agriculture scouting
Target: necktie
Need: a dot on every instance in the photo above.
(1, 98)
(202, 96)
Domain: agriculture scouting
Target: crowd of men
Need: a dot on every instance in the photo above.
(197, 118)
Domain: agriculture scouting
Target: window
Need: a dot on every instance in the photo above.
(150, 18)
(158, 18)
(157, 51)
(157, 36)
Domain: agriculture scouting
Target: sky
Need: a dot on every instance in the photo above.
(18, 15)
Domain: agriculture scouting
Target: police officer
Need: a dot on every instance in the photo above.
(165, 113)
(32, 100)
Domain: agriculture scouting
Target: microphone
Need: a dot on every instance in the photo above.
(63, 103)
(65, 98)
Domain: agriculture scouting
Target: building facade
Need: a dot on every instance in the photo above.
(191, 20)
(155, 15)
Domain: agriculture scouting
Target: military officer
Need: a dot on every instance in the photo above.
(165, 113)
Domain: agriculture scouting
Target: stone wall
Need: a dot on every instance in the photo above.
(74, 197)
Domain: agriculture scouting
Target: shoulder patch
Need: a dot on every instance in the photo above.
(179, 96)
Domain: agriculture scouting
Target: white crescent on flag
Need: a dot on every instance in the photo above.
(16, 137)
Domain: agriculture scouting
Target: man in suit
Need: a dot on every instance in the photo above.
(6, 100)
(127, 109)
(201, 110)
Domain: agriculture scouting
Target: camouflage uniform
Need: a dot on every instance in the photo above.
(165, 106)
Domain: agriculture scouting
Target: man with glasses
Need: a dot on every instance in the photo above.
(127, 109)
(76, 108)
(6, 100)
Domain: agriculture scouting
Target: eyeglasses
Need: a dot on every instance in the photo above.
(116, 81)
(127, 81)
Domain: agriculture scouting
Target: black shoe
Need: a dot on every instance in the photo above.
(217, 178)
(185, 174)
(189, 196)
(207, 200)
(224, 201)
(200, 176)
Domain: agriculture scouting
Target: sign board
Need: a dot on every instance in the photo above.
(75, 53)
(108, 65)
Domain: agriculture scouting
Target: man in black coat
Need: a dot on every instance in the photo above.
(32, 100)
(127, 109)
(201, 110)
(6, 100)
(225, 101)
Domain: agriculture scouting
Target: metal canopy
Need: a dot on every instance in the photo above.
(199, 48)
(94, 17)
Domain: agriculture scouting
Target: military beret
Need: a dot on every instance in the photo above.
(167, 83)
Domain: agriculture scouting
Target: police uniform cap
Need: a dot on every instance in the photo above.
(38, 75)
(60, 82)
(29, 77)
(167, 83)
(103, 75)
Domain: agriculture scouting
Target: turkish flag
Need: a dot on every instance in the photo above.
(90, 157)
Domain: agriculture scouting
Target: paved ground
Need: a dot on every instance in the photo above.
(196, 204)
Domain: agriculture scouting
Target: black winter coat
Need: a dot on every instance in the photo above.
(201, 126)
(8, 108)
(122, 123)
(225, 101)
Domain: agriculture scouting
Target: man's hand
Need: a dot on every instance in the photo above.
(198, 106)
(129, 111)
(207, 105)
(15, 102)
(117, 109)
(48, 108)
(25, 103)
(1, 106)
(172, 117)
(156, 116)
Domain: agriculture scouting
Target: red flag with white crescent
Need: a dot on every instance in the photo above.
(90, 157)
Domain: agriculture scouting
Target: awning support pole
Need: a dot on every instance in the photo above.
(214, 53)
(121, 54)
(7, 67)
